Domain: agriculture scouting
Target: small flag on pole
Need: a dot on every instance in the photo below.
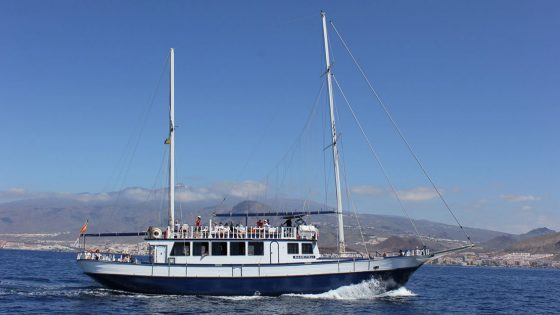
(84, 228)
(167, 141)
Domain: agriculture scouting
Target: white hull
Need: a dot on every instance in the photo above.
(253, 270)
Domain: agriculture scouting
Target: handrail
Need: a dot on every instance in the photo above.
(123, 258)
(240, 232)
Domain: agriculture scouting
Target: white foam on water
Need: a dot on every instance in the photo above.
(400, 292)
(240, 298)
(366, 290)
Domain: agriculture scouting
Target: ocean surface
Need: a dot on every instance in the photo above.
(46, 282)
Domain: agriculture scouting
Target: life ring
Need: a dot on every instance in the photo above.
(156, 233)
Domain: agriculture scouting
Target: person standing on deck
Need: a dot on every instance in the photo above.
(198, 223)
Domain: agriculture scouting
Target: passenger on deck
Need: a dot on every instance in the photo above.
(198, 223)
(259, 223)
(289, 222)
(177, 226)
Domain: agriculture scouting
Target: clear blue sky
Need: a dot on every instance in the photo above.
(473, 84)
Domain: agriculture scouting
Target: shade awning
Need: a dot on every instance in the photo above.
(274, 214)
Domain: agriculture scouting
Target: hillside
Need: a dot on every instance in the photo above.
(126, 211)
(549, 243)
(510, 241)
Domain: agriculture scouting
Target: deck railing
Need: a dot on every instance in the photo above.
(124, 258)
(240, 232)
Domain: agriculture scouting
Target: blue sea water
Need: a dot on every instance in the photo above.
(47, 282)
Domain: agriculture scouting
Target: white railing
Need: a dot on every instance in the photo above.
(124, 258)
(240, 232)
(408, 252)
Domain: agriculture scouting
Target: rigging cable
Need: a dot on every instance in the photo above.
(129, 152)
(345, 176)
(154, 192)
(142, 123)
(290, 150)
(376, 156)
(289, 154)
(397, 129)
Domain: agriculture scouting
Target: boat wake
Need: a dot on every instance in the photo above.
(367, 290)
(240, 298)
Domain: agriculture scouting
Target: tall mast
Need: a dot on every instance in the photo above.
(341, 243)
(171, 139)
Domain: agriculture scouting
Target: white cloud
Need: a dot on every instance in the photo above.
(188, 194)
(367, 190)
(527, 208)
(245, 189)
(418, 194)
(16, 191)
(87, 197)
(519, 198)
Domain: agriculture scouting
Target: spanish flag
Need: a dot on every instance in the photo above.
(84, 227)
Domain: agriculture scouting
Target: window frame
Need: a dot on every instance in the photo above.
(185, 245)
(290, 249)
(244, 247)
(261, 248)
(310, 246)
(200, 243)
(214, 243)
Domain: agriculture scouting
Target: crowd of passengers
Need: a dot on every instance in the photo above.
(95, 254)
(261, 229)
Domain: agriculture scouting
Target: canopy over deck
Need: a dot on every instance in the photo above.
(114, 234)
(286, 214)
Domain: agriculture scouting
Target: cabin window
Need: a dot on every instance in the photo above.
(256, 248)
(181, 249)
(293, 248)
(307, 248)
(200, 248)
(219, 248)
(237, 248)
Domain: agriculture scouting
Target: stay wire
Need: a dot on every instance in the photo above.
(400, 133)
(300, 135)
(349, 196)
(132, 146)
(249, 159)
(378, 159)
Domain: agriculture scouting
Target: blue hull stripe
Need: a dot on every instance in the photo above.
(271, 286)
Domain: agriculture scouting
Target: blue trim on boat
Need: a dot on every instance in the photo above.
(270, 286)
(290, 240)
(315, 262)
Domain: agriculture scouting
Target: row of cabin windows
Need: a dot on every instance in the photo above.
(235, 248)
(306, 248)
(218, 249)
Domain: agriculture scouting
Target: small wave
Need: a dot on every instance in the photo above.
(400, 292)
(240, 298)
(366, 290)
(71, 292)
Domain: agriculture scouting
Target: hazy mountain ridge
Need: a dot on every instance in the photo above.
(135, 208)
(543, 244)
(513, 242)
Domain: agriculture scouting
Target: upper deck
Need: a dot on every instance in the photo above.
(184, 231)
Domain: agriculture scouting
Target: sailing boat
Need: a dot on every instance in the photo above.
(247, 260)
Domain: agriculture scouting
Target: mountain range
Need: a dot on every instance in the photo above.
(134, 209)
